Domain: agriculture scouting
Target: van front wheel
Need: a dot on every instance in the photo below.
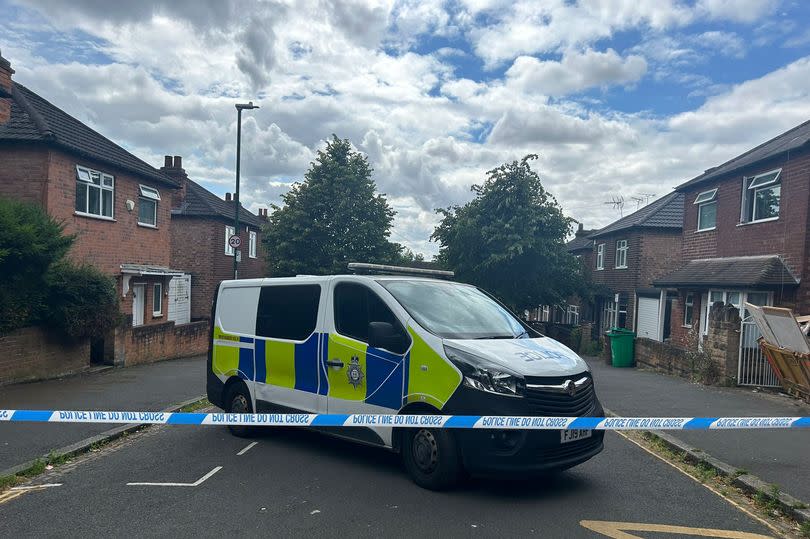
(432, 458)
(238, 402)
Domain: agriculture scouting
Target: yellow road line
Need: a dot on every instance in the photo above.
(618, 530)
(745, 510)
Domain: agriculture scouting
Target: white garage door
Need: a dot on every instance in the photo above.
(180, 299)
(648, 317)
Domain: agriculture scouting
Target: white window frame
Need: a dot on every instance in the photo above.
(689, 306)
(600, 256)
(106, 184)
(159, 311)
(623, 250)
(703, 200)
(743, 298)
(750, 190)
(573, 315)
(252, 240)
(229, 231)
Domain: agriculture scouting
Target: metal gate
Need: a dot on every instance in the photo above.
(753, 369)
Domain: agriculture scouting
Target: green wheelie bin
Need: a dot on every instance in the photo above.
(621, 346)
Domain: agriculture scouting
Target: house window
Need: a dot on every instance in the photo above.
(707, 210)
(621, 254)
(622, 313)
(688, 310)
(147, 205)
(252, 244)
(600, 256)
(229, 231)
(157, 299)
(94, 192)
(761, 197)
(573, 315)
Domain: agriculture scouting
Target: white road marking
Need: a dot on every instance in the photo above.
(245, 450)
(196, 483)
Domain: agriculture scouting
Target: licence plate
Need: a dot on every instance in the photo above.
(574, 435)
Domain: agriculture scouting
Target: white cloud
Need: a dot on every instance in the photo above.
(576, 71)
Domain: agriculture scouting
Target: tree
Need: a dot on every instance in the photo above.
(510, 239)
(30, 242)
(331, 218)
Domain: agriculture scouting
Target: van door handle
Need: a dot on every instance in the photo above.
(335, 363)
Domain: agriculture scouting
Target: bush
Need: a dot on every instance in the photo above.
(83, 301)
(30, 242)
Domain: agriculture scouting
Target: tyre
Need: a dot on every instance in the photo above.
(432, 458)
(237, 401)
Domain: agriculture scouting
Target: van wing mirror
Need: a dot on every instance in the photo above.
(384, 335)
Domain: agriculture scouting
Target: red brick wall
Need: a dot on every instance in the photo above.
(34, 353)
(156, 342)
(24, 173)
(198, 247)
(786, 236)
(661, 252)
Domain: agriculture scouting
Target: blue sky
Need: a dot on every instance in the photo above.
(619, 97)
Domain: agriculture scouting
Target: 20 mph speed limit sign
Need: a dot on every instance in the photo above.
(235, 241)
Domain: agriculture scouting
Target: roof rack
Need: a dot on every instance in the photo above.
(359, 267)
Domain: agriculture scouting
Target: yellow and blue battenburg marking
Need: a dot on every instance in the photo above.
(369, 375)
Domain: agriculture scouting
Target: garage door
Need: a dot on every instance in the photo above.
(180, 299)
(648, 317)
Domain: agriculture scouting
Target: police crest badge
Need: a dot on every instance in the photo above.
(355, 373)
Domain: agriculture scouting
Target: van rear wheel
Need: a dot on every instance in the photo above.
(238, 402)
(432, 458)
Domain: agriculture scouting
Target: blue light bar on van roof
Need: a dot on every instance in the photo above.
(359, 267)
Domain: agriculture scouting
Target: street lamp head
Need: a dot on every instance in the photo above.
(246, 106)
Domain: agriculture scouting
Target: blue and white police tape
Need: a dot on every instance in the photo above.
(407, 421)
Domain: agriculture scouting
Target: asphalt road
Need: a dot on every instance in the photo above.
(143, 387)
(301, 483)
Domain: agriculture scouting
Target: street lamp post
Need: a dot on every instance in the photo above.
(239, 108)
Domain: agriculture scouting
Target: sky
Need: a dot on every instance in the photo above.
(621, 99)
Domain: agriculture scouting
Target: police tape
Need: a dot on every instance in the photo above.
(405, 420)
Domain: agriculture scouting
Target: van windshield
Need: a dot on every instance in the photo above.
(455, 311)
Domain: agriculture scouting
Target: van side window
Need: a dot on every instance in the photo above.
(355, 307)
(288, 312)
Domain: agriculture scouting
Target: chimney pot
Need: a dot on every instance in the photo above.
(227, 197)
(167, 161)
(178, 161)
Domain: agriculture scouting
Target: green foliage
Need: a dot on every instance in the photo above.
(331, 218)
(83, 302)
(510, 239)
(30, 242)
(804, 529)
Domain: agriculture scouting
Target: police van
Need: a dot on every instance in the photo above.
(394, 342)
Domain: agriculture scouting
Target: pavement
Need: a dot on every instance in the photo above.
(201, 481)
(149, 387)
(778, 457)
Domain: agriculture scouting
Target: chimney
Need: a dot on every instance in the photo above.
(580, 230)
(263, 214)
(173, 168)
(227, 197)
(5, 89)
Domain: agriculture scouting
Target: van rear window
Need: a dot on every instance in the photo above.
(288, 312)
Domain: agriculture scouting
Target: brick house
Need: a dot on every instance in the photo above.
(745, 235)
(201, 225)
(118, 206)
(628, 255)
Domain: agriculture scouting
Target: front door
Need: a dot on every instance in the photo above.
(361, 377)
(138, 304)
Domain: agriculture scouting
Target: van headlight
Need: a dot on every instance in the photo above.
(482, 375)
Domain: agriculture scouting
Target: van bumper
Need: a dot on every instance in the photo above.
(516, 452)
